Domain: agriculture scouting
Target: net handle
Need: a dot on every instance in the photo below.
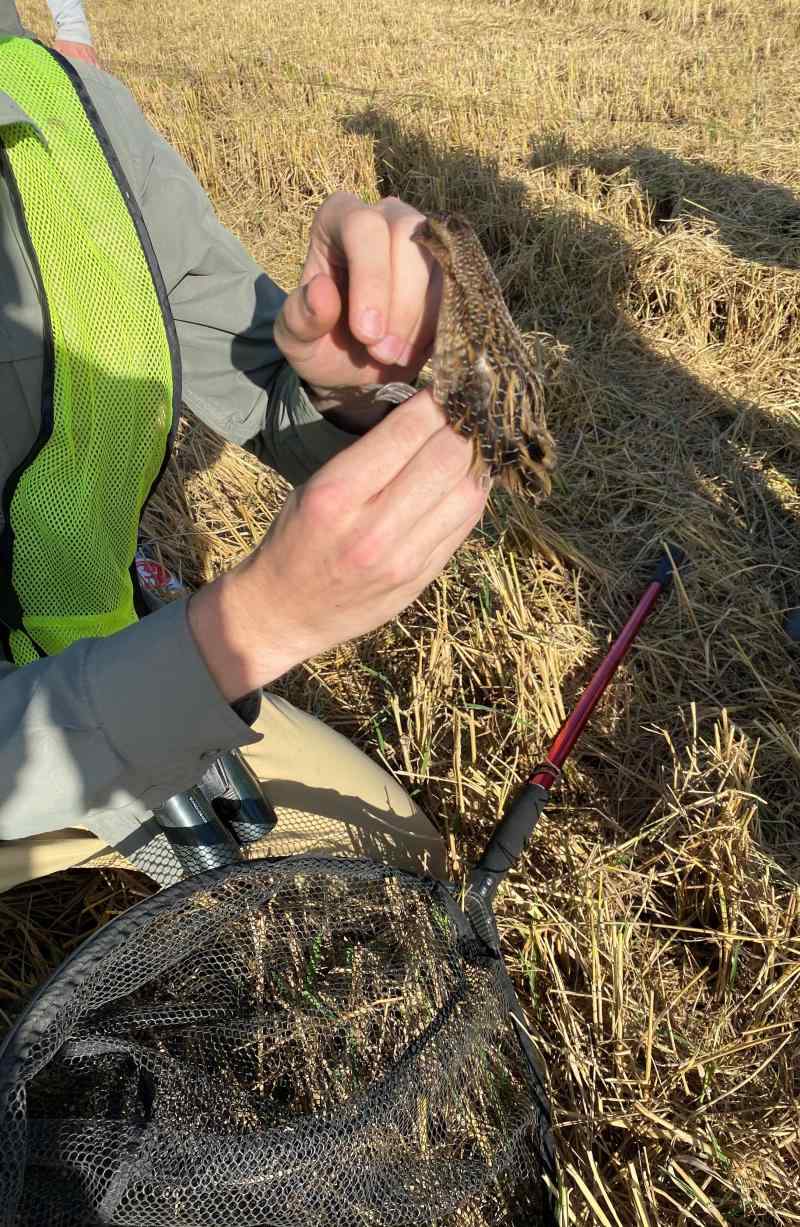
(511, 835)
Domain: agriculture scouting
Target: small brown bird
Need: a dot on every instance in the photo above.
(484, 377)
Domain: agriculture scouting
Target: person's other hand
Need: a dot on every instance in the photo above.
(350, 549)
(366, 308)
(77, 51)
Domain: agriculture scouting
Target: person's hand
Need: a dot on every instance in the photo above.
(366, 308)
(350, 549)
(77, 51)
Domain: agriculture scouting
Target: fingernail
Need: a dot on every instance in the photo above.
(306, 303)
(372, 324)
(389, 349)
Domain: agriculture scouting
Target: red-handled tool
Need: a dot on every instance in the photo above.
(514, 830)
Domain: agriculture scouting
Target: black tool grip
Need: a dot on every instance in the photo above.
(666, 566)
(509, 840)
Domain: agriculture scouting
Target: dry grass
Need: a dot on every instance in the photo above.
(632, 169)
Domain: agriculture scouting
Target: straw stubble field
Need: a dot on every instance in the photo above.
(632, 170)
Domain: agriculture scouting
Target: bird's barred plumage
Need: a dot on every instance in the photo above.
(490, 385)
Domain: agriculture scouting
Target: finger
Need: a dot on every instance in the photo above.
(419, 493)
(434, 537)
(423, 332)
(310, 312)
(444, 547)
(443, 550)
(358, 236)
(366, 467)
(414, 288)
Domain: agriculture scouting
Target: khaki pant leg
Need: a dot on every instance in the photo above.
(23, 860)
(332, 800)
(329, 797)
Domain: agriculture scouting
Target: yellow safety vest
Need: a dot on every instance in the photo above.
(111, 388)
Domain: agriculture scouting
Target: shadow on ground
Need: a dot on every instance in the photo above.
(756, 220)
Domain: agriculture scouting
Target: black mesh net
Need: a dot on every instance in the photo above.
(291, 1042)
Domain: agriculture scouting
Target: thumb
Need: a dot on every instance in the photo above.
(310, 312)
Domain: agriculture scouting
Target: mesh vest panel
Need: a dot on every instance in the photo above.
(107, 414)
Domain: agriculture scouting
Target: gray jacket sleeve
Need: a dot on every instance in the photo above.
(109, 728)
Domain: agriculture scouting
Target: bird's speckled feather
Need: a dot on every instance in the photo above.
(485, 378)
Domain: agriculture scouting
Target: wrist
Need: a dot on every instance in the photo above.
(226, 618)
